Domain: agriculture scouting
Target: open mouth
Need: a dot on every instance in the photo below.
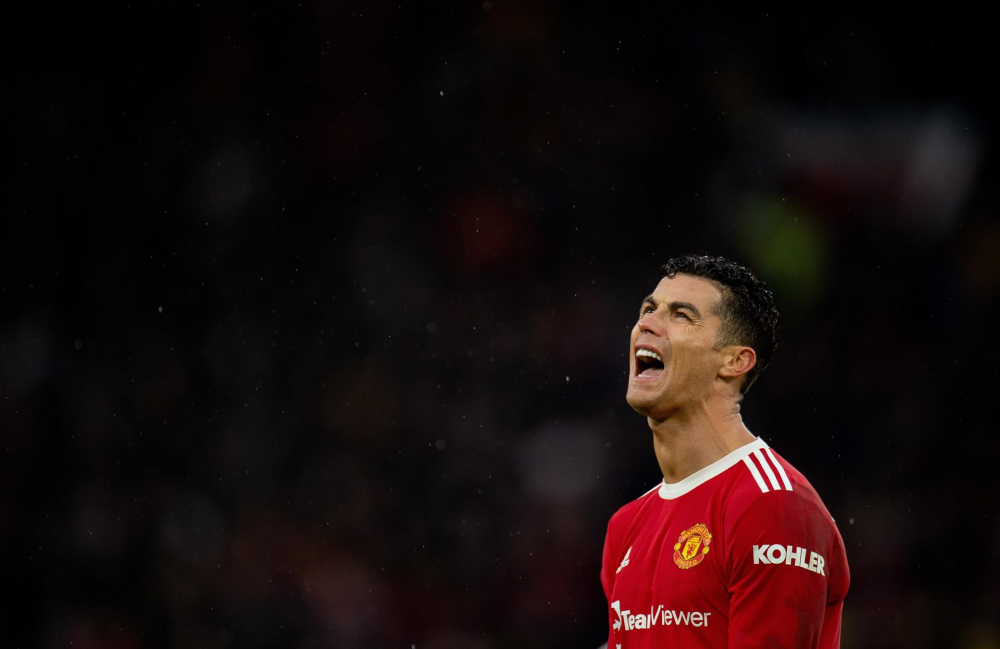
(648, 364)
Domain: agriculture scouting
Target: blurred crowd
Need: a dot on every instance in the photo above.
(315, 318)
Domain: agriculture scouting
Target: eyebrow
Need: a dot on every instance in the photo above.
(673, 306)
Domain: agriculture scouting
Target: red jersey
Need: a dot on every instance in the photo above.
(742, 553)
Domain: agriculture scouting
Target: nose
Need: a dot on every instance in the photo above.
(647, 324)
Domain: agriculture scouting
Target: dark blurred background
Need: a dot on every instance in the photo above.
(315, 316)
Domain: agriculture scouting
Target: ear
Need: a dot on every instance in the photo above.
(737, 361)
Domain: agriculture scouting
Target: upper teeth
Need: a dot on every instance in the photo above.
(651, 354)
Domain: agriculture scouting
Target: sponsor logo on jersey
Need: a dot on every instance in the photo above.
(660, 616)
(692, 546)
(625, 560)
(772, 555)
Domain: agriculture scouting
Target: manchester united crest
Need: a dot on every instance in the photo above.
(692, 546)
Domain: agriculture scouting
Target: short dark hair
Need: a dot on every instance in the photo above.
(746, 309)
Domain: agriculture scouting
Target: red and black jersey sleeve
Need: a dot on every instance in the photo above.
(787, 574)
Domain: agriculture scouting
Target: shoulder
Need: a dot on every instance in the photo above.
(774, 504)
(628, 512)
(767, 484)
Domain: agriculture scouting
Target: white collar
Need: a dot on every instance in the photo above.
(678, 489)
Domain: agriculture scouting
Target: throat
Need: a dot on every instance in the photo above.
(684, 444)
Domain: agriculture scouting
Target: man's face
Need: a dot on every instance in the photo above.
(677, 323)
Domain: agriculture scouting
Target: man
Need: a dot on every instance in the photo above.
(734, 548)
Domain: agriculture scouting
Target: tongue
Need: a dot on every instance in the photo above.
(651, 371)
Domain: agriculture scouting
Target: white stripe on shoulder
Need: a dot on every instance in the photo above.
(781, 469)
(756, 473)
(767, 470)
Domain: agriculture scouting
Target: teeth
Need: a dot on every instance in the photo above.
(646, 352)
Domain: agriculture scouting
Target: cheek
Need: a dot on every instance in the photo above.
(701, 360)
(687, 358)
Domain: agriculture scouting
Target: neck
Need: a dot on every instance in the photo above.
(690, 439)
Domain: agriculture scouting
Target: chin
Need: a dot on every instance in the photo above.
(650, 401)
(642, 402)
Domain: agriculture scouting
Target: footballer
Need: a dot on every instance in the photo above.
(734, 548)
